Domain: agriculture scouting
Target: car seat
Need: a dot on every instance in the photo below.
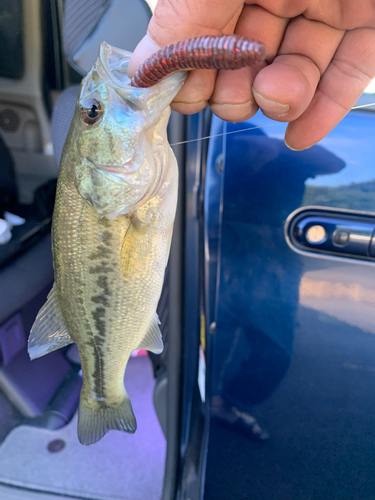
(26, 281)
(86, 24)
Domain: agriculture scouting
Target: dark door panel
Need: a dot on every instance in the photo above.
(291, 363)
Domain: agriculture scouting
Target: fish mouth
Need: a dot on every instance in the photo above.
(124, 169)
(112, 169)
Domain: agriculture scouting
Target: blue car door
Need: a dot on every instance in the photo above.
(289, 313)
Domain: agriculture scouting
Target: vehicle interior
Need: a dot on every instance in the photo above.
(47, 46)
(323, 298)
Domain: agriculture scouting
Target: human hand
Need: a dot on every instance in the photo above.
(321, 57)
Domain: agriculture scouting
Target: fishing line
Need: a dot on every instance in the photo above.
(233, 131)
(364, 105)
(249, 128)
(224, 133)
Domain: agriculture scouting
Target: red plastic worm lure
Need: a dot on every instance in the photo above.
(206, 52)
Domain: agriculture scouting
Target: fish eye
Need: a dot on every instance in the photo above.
(91, 111)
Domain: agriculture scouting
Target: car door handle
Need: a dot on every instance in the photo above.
(332, 232)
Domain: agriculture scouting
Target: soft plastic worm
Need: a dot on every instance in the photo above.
(206, 52)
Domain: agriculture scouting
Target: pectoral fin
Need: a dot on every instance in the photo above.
(136, 245)
(49, 331)
(153, 341)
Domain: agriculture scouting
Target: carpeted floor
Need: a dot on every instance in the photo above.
(13, 493)
(119, 467)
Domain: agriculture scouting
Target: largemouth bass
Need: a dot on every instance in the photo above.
(112, 228)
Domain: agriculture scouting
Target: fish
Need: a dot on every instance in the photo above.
(111, 235)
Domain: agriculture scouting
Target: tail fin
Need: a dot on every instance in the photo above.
(94, 424)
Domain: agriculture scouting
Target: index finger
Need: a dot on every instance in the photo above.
(180, 20)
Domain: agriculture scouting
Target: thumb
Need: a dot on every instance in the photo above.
(143, 50)
(181, 20)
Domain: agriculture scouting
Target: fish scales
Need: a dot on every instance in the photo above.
(87, 275)
(112, 228)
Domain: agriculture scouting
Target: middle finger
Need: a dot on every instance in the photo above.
(232, 98)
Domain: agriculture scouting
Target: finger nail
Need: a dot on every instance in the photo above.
(269, 107)
(294, 149)
(144, 49)
(234, 112)
(188, 108)
(290, 147)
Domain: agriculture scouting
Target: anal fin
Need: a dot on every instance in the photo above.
(49, 331)
(153, 341)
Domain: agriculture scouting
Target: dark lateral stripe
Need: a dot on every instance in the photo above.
(100, 268)
(100, 299)
(100, 253)
(98, 316)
